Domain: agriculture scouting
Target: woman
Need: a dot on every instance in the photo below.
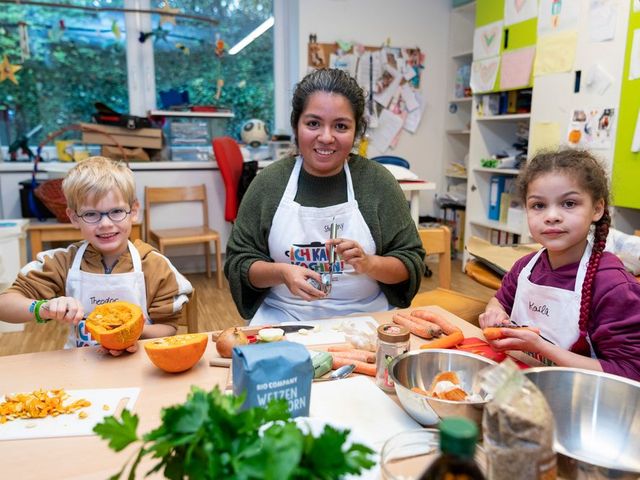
(280, 240)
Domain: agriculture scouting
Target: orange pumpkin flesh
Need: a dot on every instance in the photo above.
(116, 325)
(177, 353)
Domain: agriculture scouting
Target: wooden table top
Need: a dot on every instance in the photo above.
(89, 457)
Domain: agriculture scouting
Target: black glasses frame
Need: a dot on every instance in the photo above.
(108, 214)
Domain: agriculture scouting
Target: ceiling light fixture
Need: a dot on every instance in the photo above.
(263, 27)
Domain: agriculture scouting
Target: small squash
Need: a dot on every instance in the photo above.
(116, 325)
(177, 353)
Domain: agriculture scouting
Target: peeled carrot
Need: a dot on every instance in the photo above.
(495, 333)
(435, 330)
(446, 326)
(449, 341)
(355, 354)
(414, 327)
(361, 367)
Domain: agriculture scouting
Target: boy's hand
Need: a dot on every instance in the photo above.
(116, 353)
(62, 309)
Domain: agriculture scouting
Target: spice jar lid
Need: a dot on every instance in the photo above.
(390, 332)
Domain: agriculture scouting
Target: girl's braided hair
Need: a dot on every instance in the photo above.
(592, 178)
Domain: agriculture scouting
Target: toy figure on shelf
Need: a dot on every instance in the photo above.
(22, 144)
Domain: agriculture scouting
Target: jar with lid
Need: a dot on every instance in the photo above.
(393, 340)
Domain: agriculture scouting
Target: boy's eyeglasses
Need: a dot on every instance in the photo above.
(115, 215)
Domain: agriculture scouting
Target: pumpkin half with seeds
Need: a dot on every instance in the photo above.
(116, 325)
(177, 353)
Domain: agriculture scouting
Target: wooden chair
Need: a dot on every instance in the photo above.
(438, 241)
(483, 274)
(190, 314)
(167, 237)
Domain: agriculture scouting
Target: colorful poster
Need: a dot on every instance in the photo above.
(516, 11)
(515, 70)
(487, 40)
(556, 53)
(558, 15)
(591, 128)
(483, 74)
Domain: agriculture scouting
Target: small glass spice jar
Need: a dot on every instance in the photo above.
(393, 340)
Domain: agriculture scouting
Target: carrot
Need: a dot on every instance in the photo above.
(435, 330)
(414, 327)
(361, 367)
(446, 326)
(494, 333)
(449, 341)
(355, 354)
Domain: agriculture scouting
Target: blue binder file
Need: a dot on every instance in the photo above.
(495, 192)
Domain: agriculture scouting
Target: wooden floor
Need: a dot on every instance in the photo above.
(216, 310)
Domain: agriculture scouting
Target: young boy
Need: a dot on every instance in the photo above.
(101, 202)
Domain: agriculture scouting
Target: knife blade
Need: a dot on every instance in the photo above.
(253, 330)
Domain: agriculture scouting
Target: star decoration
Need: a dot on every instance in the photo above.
(168, 14)
(8, 71)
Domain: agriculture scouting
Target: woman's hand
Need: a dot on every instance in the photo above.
(518, 339)
(352, 254)
(295, 278)
(62, 309)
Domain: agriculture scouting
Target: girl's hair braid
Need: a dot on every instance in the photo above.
(592, 178)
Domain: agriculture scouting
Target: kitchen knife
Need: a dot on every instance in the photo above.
(253, 330)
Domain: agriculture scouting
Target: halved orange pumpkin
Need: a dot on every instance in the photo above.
(177, 353)
(116, 325)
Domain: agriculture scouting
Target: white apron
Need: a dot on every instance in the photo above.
(94, 289)
(297, 236)
(555, 311)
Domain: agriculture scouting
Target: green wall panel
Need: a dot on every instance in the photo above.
(626, 165)
(489, 11)
(523, 34)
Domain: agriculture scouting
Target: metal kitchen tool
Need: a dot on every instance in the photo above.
(327, 278)
(337, 374)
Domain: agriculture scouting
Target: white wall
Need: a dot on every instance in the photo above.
(407, 23)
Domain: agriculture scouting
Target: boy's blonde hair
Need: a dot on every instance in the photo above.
(94, 178)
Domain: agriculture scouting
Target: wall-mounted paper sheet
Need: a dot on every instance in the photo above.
(483, 74)
(409, 97)
(591, 128)
(636, 5)
(602, 20)
(558, 15)
(516, 11)
(388, 127)
(515, 69)
(544, 135)
(387, 85)
(556, 53)
(634, 61)
(597, 80)
(635, 144)
(487, 40)
(413, 118)
(344, 62)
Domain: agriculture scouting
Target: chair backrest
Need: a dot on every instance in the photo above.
(438, 241)
(392, 160)
(155, 195)
(230, 161)
(189, 316)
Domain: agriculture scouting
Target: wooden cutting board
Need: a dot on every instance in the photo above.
(104, 402)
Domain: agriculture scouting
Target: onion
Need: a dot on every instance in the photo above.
(229, 338)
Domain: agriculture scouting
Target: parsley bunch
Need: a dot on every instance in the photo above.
(209, 437)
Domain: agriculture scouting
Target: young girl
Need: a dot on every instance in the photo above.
(585, 304)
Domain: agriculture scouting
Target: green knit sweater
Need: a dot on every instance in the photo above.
(380, 200)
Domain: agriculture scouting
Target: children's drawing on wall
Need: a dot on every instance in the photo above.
(487, 40)
(591, 128)
(634, 61)
(390, 77)
(557, 15)
(636, 5)
(516, 11)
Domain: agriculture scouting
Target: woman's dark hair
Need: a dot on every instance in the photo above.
(329, 80)
(592, 178)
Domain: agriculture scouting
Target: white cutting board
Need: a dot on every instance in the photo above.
(329, 330)
(357, 403)
(71, 425)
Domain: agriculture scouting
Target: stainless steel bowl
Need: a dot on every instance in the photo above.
(597, 422)
(418, 369)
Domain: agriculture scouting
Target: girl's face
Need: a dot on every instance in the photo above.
(560, 214)
(106, 236)
(326, 132)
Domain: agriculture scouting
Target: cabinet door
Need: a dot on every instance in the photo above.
(489, 11)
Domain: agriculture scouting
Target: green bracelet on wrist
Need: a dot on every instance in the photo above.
(36, 311)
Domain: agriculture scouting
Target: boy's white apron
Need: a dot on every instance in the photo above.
(93, 289)
(555, 311)
(294, 226)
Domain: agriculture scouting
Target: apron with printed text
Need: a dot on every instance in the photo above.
(555, 311)
(297, 237)
(93, 289)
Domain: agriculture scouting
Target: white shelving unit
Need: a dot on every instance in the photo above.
(457, 121)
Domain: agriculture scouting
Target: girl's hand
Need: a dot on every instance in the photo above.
(493, 317)
(295, 278)
(352, 254)
(518, 339)
(62, 309)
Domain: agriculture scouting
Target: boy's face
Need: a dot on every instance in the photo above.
(107, 236)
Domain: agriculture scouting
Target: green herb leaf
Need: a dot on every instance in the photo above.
(120, 434)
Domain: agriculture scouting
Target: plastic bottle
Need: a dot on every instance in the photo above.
(458, 437)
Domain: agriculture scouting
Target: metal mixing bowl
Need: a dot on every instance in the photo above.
(597, 422)
(418, 369)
